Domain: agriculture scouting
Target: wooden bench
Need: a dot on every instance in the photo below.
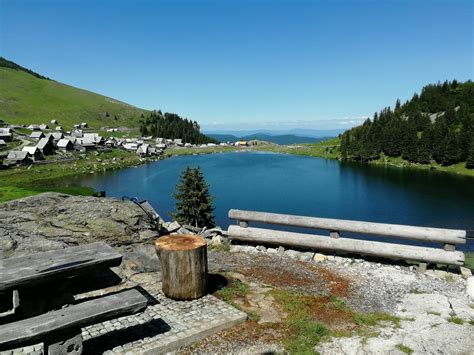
(42, 300)
(63, 326)
(334, 242)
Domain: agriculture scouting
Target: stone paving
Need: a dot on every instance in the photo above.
(164, 326)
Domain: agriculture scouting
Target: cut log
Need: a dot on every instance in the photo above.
(183, 260)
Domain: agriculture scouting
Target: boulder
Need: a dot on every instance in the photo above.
(470, 287)
(52, 221)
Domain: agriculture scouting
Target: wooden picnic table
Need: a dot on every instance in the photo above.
(42, 302)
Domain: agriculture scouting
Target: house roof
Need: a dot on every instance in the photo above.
(30, 149)
(43, 142)
(63, 143)
(37, 134)
(17, 155)
(57, 135)
(2, 142)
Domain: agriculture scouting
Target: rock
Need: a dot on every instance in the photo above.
(53, 221)
(281, 250)
(465, 272)
(470, 287)
(148, 234)
(216, 240)
(184, 231)
(293, 254)
(317, 258)
(261, 248)
(173, 227)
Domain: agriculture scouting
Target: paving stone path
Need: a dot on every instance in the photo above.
(165, 325)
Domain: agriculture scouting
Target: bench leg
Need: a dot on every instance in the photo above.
(67, 344)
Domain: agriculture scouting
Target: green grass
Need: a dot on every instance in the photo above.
(405, 349)
(433, 313)
(22, 181)
(224, 246)
(27, 99)
(469, 260)
(456, 320)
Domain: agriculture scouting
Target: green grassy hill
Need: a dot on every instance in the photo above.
(26, 97)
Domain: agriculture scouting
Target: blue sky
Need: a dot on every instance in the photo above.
(245, 64)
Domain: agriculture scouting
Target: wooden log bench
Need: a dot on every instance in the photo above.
(41, 288)
(61, 330)
(448, 238)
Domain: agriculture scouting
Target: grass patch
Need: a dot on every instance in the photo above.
(30, 100)
(433, 313)
(373, 319)
(449, 278)
(456, 320)
(469, 260)
(234, 290)
(27, 181)
(405, 349)
(223, 247)
(416, 291)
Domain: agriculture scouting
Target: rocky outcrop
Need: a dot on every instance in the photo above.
(53, 221)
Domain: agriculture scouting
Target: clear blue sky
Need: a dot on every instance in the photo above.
(245, 64)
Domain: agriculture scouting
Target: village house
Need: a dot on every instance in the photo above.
(58, 129)
(84, 125)
(178, 142)
(43, 126)
(86, 142)
(18, 157)
(34, 127)
(94, 137)
(188, 145)
(37, 135)
(77, 133)
(65, 144)
(34, 152)
(53, 121)
(57, 136)
(143, 150)
(133, 147)
(159, 140)
(161, 146)
(6, 134)
(2, 143)
(45, 146)
(241, 144)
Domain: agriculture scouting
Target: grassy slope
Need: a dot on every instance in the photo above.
(25, 99)
(24, 181)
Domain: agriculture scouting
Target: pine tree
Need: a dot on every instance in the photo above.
(470, 157)
(193, 201)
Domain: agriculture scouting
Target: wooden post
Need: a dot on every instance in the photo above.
(243, 224)
(183, 260)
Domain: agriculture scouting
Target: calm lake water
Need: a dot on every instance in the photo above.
(304, 186)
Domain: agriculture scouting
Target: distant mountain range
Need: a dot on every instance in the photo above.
(282, 139)
(298, 132)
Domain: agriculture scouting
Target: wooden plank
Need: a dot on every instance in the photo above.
(44, 267)
(364, 247)
(37, 329)
(426, 234)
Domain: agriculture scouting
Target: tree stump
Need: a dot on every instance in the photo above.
(183, 260)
